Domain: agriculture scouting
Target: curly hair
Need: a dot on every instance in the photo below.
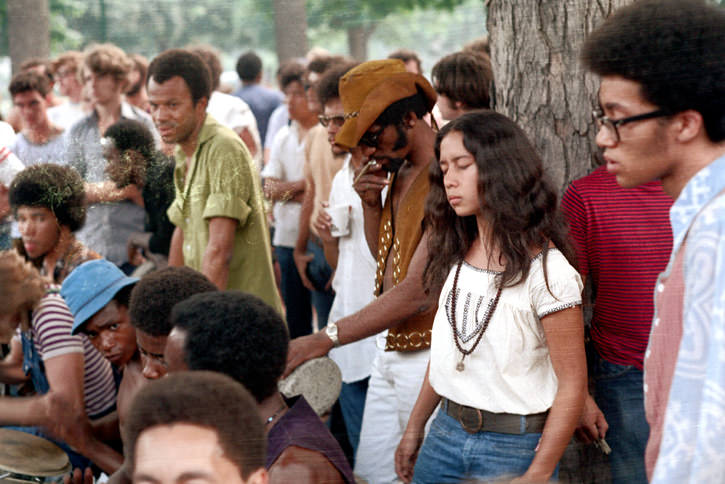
(674, 49)
(130, 135)
(21, 285)
(185, 64)
(55, 187)
(520, 205)
(328, 87)
(206, 399)
(236, 334)
(465, 77)
(156, 293)
(290, 72)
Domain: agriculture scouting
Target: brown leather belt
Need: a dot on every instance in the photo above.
(474, 420)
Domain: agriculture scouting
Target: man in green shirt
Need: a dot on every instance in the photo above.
(221, 229)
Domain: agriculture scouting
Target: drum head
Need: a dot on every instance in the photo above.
(318, 380)
(22, 453)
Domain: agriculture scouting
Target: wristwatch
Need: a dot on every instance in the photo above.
(331, 332)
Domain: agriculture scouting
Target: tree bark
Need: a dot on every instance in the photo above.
(540, 84)
(539, 81)
(28, 30)
(357, 41)
(290, 23)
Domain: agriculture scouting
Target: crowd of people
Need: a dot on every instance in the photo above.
(170, 250)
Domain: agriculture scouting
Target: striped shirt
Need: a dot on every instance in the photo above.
(51, 334)
(623, 240)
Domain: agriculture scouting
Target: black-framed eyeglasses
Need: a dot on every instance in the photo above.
(370, 139)
(613, 124)
(335, 120)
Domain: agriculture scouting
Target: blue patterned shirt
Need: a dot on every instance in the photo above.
(693, 437)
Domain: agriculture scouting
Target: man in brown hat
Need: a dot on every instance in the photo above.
(383, 108)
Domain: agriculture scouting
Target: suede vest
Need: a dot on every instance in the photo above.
(400, 233)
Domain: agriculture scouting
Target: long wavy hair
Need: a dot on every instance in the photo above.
(520, 205)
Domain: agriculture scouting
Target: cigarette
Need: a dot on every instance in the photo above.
(365, 168)
(603, 446)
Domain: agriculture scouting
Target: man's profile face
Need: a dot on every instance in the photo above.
(449, 110)
(151, 349)
(39, 230)
(112, 334)
(641, 153)
(175, 115)
(67, 77)
(182, 453)
(335, 113)
(32, 107)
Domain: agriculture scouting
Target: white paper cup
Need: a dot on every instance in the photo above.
(340, 216)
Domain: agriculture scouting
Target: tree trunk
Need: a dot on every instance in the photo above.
(540, 82)
(28, 30)
(357, 41)
(290, 23)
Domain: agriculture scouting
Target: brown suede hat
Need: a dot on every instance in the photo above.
(368, 89)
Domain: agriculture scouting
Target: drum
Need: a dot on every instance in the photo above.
(29, 458)
(318, 380)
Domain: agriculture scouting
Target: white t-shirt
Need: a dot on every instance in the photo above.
(510, 371)
(354, 280)
(66, 115)
(286, 163)
(235, 114)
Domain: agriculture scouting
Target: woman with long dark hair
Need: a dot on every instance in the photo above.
(507, 357)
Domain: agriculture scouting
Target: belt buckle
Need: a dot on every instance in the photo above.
(471, 429)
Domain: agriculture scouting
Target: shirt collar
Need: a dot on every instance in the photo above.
(207, 131)
(699, 190)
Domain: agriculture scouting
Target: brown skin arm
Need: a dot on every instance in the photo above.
(176, 253)
(369, 187)
(11, 367)
(4, 202)
(564, 333)
(107, 191)
(62, 411)
(303, 466)
(248, 139)
(387, 311)
(300, 255)
(219, 250)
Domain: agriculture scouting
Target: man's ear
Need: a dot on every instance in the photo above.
(689, 124)
(410, 119)
(203, 102)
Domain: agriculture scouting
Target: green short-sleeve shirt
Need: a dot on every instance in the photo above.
(222, 182)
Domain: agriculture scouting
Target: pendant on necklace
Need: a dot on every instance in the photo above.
(459, 366)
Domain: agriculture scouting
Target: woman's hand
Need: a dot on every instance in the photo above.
(407, 453)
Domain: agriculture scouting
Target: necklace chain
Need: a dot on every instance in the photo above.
(452, 319)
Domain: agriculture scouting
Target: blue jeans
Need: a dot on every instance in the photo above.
(321, 300)
(296, 297)
(450, 454)
(619, 393)
(352, 405)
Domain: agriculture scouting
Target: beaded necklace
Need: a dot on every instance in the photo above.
(452, 319)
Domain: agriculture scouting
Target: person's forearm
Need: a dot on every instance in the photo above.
(332, 252)
(405, 300)
(425, 404)
(176, 254)
(305, 217)
(22, 411)
(215, 265)
(107, 459)
(560, 425)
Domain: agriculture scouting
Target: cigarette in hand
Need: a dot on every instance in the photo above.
(365, 168)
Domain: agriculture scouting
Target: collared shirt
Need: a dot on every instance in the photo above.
(693, 436)
(221, 181)
(108, 225)
(354, 280)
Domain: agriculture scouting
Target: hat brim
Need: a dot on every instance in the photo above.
(396, 86)
(99, 302)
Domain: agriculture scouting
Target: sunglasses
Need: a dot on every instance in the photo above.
(325, 121)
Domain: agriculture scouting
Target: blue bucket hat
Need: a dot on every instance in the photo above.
(90, 286)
